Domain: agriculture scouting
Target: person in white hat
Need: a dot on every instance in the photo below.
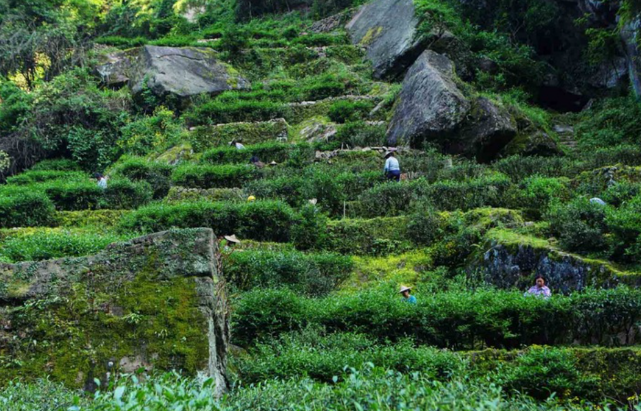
(407, 298)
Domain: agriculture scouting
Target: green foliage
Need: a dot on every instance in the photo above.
(609, 123)
(60, 164)
(71, 115)
(535, 194)
(216, 112)
(26, 209)
(361, 134)
(625, 223)
(206, 176)
(126, 194)
(425, 226)
(343, 111)
(47, 245)
(390, 199)
(454, 319)
(35, 176)
(148, 134)
(311, 229)
(323, 357)
(260, 220)
(310, 274)
(74, 195)
(157, 174)
(580, 225)
(267, 152)
(43, 395)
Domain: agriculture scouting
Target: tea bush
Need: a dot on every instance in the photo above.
(36, 176)
(348, 111)
(26, 209)
(60, 164)
(126, 194)
(46, 245)
(157, 174)
(261, 220)
(75, 195)
(215, 112)
(455, 319)
(580, 225)
(206, 176)
(311, 274)
(267, 152)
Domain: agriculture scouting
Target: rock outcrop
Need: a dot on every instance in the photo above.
(178, 71)
(388, 30)
(511, 263)
(430, 106)
(155, 302)
(432, 109)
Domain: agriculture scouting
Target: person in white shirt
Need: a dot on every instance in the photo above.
(392, 168)
(238, 144)
(102, 180)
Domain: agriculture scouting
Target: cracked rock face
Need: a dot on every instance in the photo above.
(432, 109)
(388, 30)
(154, 303)
(178, 71)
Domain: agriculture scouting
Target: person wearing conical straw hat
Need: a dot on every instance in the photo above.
(407, 298)
(392, 168)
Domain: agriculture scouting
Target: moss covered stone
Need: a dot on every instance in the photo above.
(155, 302)
(509, 259)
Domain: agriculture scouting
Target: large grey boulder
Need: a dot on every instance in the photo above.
(432, 109)
(156, 302)
(178, 71)
(388, 30)
(488, 128)
(430, 106)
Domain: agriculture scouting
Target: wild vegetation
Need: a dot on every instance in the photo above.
(316, 318)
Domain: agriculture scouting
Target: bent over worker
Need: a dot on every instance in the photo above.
(392, 168)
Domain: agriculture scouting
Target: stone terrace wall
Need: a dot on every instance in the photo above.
(155, 302)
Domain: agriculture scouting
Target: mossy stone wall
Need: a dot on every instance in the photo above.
(155, 302)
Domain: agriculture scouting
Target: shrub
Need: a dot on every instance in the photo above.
(466, 195)
(264, 313)
(519, 168)
(30, 177)
(453, 319)
(157, 174)
(311, 229)
(322, 357)
(425, 226)
(267, 152)
(126, 194)
(625, 223)
(69, 196)
(46, 245)
(389, 199)
(61, 164)
(343, 111)
(534, 194)
(260, 220)
(609, 123)
(580, 225)
(205, 176)
(361, 134)
(289, 189)
(311, 274)
(26, 209)
(216, 112)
